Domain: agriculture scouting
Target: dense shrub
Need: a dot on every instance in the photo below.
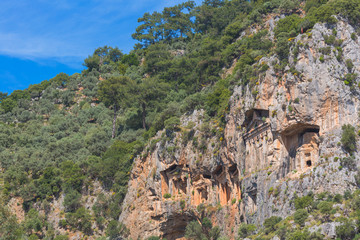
(349, 65)
(355, 203)
(80, 219)
(218, 99)
(288, 25)
(72, 200)
(167, 195)
(116, 230)
(300, 216)
(246, 230)
(270, 223)
(338, 198)
(348, 162)
(346, 231)
(325, 208)
(172, 123)
(348, 138)
(196, 231)
(298, 235)
(303, 202)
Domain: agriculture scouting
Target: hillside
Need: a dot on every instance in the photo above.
(228, 120)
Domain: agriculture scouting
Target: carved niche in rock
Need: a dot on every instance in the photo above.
(200, 195)
(301, 142)
(251, 195)
(219, 186)
(256, 122)
(226, 183)
(256, 138)
(174, 180)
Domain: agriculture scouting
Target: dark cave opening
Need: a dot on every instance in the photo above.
(233, 170)
(218, 170)
(206, 176)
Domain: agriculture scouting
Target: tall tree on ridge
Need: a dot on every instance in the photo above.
(178, 20)
(3, 95)
(151, 30)
(116, 92)
(149, 90)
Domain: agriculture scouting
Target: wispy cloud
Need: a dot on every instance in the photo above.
(68, 31)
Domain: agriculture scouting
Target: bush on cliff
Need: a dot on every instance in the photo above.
(205, 230)
(346, 231)
(300, 216)
(348, 138)
(270, 223)
(246, 230)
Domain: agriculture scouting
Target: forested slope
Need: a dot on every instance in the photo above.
(67, 145)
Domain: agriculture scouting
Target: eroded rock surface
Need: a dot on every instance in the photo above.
(280, 142)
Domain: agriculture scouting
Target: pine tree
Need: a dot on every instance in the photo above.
(116, 92)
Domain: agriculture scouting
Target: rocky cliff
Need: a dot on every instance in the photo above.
(279, 138)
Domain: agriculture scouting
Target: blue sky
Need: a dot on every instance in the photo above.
(40, 38)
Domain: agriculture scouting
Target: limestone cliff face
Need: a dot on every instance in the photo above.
(281, 141)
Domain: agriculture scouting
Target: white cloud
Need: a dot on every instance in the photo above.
(68, 31)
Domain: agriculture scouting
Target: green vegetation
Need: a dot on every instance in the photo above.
(246, 230)
(167, 195)
(70, 134)
(349, 65)
(115, 91)
(354, 36)
(348, 162)
(204, 230)
(325, 208)
(290, 108)
(9, 228)
(202, 227)
(182, 204)
(320, 212)
(300, 216)
(304, 202)
(116, 230)
(270, 223)
(346, 231)
(350, 80)
(348, 138)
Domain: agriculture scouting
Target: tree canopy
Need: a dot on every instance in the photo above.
(69, 135)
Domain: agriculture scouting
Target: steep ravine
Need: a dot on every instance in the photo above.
(281, 141)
